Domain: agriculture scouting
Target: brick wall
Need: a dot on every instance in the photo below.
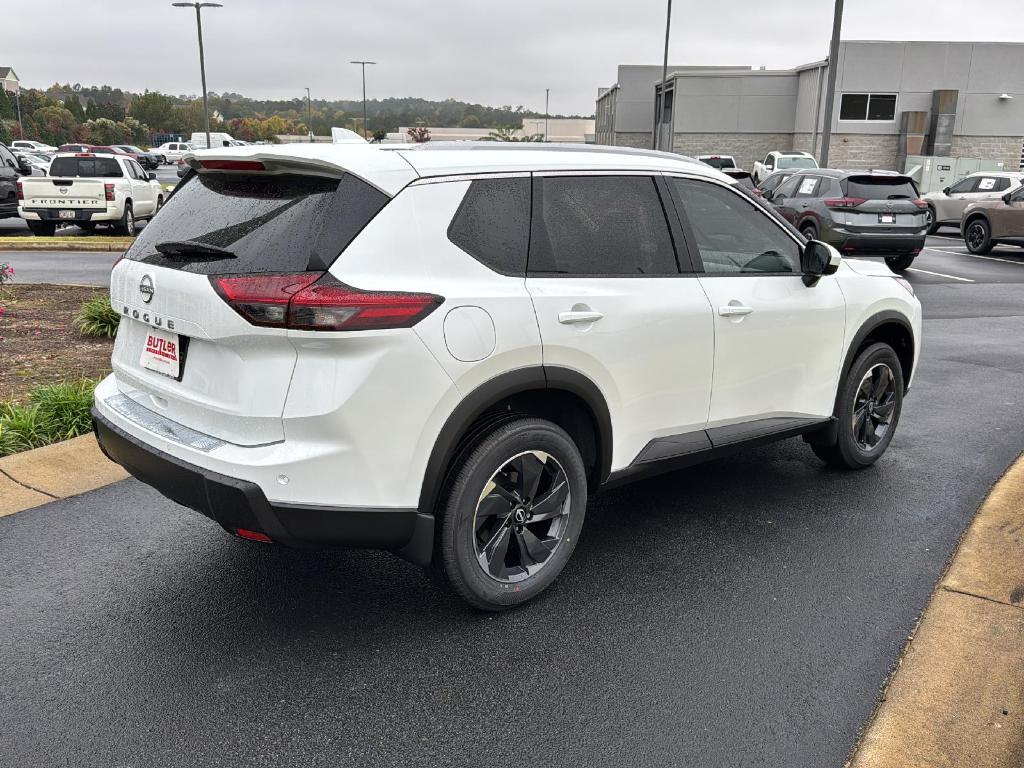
(853, 150)
(1004, 149)
(745, 147)
(635, 140)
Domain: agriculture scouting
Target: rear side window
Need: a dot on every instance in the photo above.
(881, 188)
(493, 224)
(993, 184)
(599, 226)
(286, 223)
(86, 167)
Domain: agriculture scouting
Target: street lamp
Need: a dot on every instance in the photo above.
(830, 90)
(309, 116)
(202, 62)
(547, 96)
(363, 65)
(660, 105)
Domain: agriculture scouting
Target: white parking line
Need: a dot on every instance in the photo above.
(939, 274)
(976, 256)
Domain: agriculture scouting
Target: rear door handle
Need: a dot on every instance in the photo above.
(734, 310)
(571, 318)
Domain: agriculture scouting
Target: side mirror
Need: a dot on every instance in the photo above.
(24, 166)
(777, 198)
(151, 176)
(1008, 198)
(818, 259)
(945, 190)
(767, 194)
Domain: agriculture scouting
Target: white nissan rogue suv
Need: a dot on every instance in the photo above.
(444, 350)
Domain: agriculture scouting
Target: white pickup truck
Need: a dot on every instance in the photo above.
(86, 189)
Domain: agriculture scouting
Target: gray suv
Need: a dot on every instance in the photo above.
(862, 213)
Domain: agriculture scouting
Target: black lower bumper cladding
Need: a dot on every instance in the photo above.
(235, 503)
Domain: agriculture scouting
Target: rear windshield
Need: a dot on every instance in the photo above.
(719, 162)
(881, 188)
(86, 167)
(284, 223)
(796, 162)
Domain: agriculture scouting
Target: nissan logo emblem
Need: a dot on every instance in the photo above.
(146, 288)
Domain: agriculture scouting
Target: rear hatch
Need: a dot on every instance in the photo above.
(879, 204)
(74, 183)
(186, 348)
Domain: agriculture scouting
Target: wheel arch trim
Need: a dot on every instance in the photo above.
(871, 324)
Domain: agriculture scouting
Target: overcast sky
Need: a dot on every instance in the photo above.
(493, 53)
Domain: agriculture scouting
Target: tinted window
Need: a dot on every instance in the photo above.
(732, 234)
(797, 162)
(493, 224)
(773, 181)
(882, 107)
(270, 223)
(788, 187)
(808, 186)
(964, 185)
(6, 158)
(719, 162)
(88, 167)
(864, 106)
(599, 225)
(992, 184)
(881, 188)
(854, 106)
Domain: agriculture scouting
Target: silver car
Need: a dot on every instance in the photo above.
(946, 208)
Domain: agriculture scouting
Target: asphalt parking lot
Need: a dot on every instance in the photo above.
(745, 612)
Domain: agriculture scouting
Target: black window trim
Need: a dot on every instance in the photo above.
(691, 239)
(679, 242)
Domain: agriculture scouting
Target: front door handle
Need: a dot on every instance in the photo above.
(734, 310)
(574, 317)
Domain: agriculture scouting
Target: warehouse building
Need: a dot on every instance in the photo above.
(892, 99)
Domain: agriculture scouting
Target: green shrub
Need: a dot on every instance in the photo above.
(54, 412)
(97, 318)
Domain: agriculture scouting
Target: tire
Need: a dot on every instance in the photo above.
(42, 228)
(978, 236)
(488, 559)
(900, 263)
(930, 220)
(809, 231)
(159, 205)
(867, 418)
(126, 226)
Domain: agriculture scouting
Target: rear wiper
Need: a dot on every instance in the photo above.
(898, 197)
(193, 249)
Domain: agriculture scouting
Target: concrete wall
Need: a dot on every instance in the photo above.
(733, 102)
(1008, 150)
(745, 147)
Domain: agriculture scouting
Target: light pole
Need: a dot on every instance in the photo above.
(830, 93)
(547, 96)
(664, 76)
(363, 65)
(17, 100)
(202, 61)
(309, 118)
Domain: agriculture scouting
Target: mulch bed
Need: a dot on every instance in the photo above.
(38, 340)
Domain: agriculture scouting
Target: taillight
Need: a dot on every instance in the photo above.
(108, 192)
(920, 204)
(312, 301)
(232, 165)
(21, 191)
(259, 536)
(845, 202)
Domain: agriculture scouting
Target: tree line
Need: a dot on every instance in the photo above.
(66, 113)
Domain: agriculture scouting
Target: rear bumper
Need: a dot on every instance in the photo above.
(53, 214)
(883, 244)
(235, 503)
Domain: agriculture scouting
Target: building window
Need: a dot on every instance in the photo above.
(868, 106)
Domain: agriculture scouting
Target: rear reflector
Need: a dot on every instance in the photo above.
(232, 165)
(245, 533)
(312, 301)
(845, 202)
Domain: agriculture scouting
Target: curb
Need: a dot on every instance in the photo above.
(956, 697)
(64, 246)
(33, 478)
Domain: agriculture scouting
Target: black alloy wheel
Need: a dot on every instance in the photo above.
(873, 406)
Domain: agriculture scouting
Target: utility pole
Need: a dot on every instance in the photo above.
(659, 104)
(830, 93)
(17, 100)
(363, 65)
(547, 97)
(309, 116)
(202, 61)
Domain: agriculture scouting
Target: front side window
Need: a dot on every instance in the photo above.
(789, 187)
(600, 226)
(868, 106)
(732, 235)
(963, 186)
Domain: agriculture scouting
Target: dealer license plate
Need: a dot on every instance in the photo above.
(66, 214)
(886, 218)
(162, 353)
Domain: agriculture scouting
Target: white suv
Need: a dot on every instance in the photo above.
(444, 350)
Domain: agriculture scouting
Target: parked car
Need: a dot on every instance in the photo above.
(94, 148)
(458, 381)
(38, 161)
(868, 213)
(743, 179)
(32, 146)
(720, 162)
(171, 151)
(987, 223)
(781, 160)
(946, 208)
(772, 183)
(88, 189)
(73, 148)
(147, 160)
(11, 171)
